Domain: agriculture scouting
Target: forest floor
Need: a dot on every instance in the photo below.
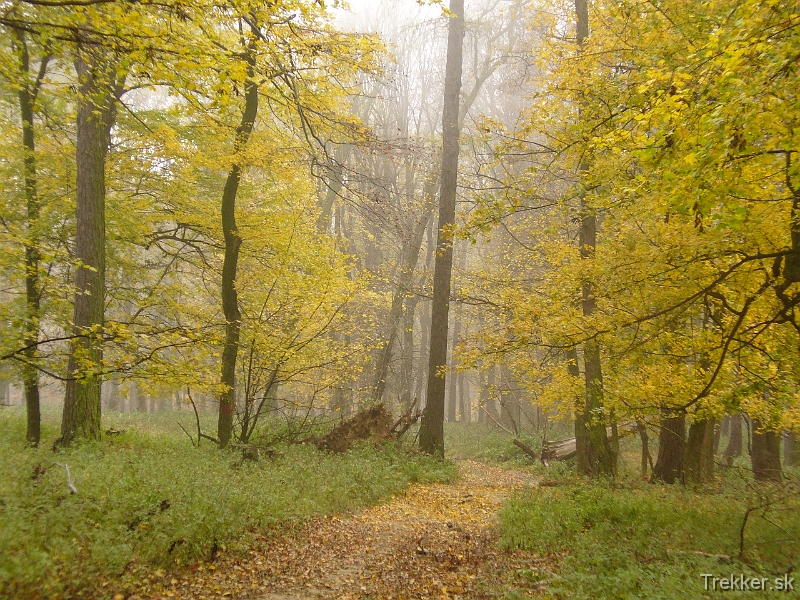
(434, 541)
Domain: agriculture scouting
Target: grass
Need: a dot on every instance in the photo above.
(630, 539)
(148, 496)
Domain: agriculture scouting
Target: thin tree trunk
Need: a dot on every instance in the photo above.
(671, 449)
(406, 278)
(431, 435)
(27, 93)
(599, 454)
(734, 448)
(645, 448)
(451, 387)
(233, 242)
(766, 454)
(791, 450)
(98, 90)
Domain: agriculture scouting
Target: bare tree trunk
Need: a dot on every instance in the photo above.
(766, 453)
(671, 449)
(233, 242)
(791, 450)
(699, 461)
(406, 278)
(452, 385)
(734, 448)
(431, 436)
(99, 87)
(640, 427)
(581, 433)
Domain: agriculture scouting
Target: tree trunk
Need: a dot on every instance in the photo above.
(464, 404)
(409, 265)
(27, 93)
(452, 408)
(766, 454)
(407, 361)
(699, 460)
(98, 91)
(640, 427)
(233, 242)
(671, 449)
(581, 433)
(431, 435)
(599, 454)
(734, 448)
(791, 450)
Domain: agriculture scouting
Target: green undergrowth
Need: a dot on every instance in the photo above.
(635, 540)
(149, 496)
(488, 443)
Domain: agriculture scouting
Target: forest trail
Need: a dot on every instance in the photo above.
(434, 541)
(430, 542)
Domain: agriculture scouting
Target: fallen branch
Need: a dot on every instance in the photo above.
(200, 434)
(483, 408)
(526, 449)
(70, 480)
(406, 420)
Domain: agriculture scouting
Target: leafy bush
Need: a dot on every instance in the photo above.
(152, 497)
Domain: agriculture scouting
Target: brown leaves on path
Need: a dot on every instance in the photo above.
(435, 541)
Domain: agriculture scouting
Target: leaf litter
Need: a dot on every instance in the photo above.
(434, 541)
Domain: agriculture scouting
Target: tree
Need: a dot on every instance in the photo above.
(431, 437)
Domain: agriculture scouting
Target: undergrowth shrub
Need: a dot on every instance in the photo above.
(642, 541)
(153, 498)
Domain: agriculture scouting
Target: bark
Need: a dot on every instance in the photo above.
(233, 242)
(452, 412)
(407, 362)
(431, 435)
(26, 94)
(699, 460)
(464, 404)
(671, 449)
(581, 433)
(598, 451)
(640, 427)
(98, 92)
(791, 450)
(734, 448)
(766, 453)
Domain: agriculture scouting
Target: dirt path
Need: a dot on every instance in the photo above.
(436, 541)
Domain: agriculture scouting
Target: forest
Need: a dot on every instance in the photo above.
(399, 299)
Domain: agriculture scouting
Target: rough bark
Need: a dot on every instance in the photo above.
(671, 449)
(431, 436)
(98, 92)
(766, 453)
(233, 242)
(699, 460)
(640, 427)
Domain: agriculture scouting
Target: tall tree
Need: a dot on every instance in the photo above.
(431, 437)
(27, 92)
(100, 84)
(599, 459)
(233, 242)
